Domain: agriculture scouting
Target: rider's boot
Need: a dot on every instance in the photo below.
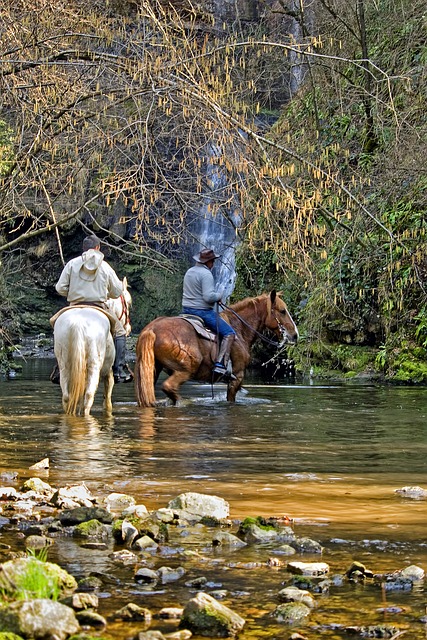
(220, 365)
(121, 371)
(54, 376)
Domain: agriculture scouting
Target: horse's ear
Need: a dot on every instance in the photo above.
(125, 283)
(273, 296)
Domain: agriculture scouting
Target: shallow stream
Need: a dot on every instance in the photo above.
(327, 456)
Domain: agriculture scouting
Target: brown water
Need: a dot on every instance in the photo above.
(328, 456)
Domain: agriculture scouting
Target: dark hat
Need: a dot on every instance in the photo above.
(205, 256)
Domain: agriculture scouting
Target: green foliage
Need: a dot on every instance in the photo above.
(33, 583)
(421, 328)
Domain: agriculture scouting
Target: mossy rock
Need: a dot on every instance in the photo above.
(91, 529)
(158, 531)
(14, 571)
(258, 521)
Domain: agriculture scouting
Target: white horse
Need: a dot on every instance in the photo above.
(84, 348)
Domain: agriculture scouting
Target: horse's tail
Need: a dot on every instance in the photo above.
(144, 369)
(77, 370)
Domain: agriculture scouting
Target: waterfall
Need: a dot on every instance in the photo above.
(216, 228)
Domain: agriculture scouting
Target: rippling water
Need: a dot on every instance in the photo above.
(328, 456)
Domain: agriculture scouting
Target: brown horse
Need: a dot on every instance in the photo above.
(173, 344)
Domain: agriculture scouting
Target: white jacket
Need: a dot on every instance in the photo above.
(89, 279)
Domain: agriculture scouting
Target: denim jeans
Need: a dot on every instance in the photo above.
(212, 320)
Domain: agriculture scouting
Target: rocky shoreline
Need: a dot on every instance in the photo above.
(158, 551)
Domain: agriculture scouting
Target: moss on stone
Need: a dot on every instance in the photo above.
(258, 521)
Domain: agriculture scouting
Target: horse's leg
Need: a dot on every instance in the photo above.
(108, 390)
(172, 384)
(234, 386)
(91, 387)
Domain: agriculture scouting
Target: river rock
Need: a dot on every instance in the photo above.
(291, 612)
(206, 616)
(416, 493)
(167, 574)
(71, 517)
(308, 568)
(89, 618)
(181, 634)
(170, 613)
(226, 539)
(8, 493)
(401, 579)
(293, 594)
(129, 532)
(92, 529)
(78, 494)
(41, 464)
(125, 556)
(38, 486)
(135, 613)
(375, 631)
(13, 570)
(201, 505)
(118, 502)
(79, 601)
(146, 576)
(307, 545)
(259, 530)
(358, 571)
(39, 619)
(145, 543)
(140, 511)
(286, 550)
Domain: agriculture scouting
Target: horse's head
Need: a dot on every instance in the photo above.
(280, 320)
(126, 301)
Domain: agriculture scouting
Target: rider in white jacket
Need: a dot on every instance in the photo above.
(89, 279)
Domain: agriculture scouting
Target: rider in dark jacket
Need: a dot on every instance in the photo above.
(200, 297)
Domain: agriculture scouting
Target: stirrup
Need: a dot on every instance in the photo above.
(219, 368)
(124, 375)
(226, 374)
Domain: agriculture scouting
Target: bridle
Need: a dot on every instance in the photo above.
(273, 343)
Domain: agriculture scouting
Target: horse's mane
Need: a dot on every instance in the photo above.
(242, 304)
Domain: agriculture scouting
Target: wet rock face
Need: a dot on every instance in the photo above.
(230, 10)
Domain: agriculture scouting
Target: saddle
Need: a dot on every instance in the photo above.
(110, 317)
(200, 327)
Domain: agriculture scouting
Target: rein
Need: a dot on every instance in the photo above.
(125, 310)
(273, 343)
